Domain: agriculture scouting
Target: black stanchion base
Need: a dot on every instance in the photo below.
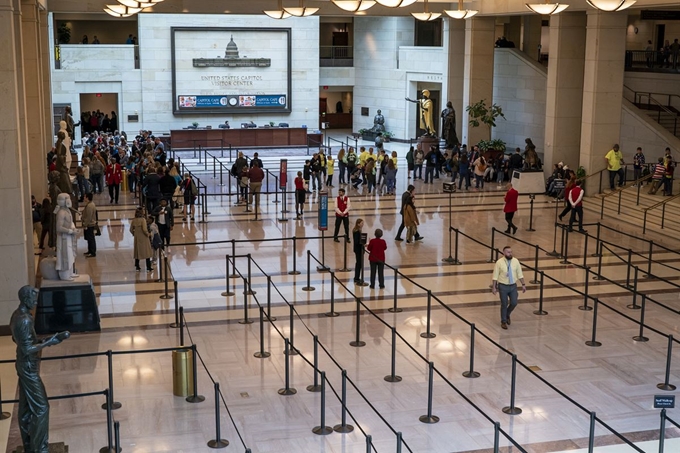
(395, 310)
(195, 399)
(166, 296)
(343, 429)
(313, 388)
(227, 293)
(594, 344)
(357, 344)
(292, 352)
(429, 419)
(633, 306)
(640, 339)
(308, 288)
(294, 273)
(323, 269)
(540, 312)
(530, 229)
(664, 386)
(287, 392)
(271, 318)
(283, 220)
(534, 282)
(331, 314)
(276, 201)
(471, 374)
(451, 260)
(392, 378)
(565, 262)
(249, 293)
(361, 283)
(427, 335)
(5, 415)
(173, 325)
(234, 276)
(114, 406)
(512, 410)
(585, 308)
(262, 354)
(218, 443)
(598, 278)
(107, 450)
(322, 430)
(344, 270)
(246, 321)
(554, 253)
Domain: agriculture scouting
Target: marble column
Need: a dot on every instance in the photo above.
(455, 72)
(602, 88)
(33, 81)
(478, 77)
(16, 245)
(46, 61)
(531, 34)
(563, 106)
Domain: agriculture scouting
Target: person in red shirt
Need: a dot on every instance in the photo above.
(342, 206)
(300, 192)
(114, 175)
(510, 208)
(376, 256)
(576, 201)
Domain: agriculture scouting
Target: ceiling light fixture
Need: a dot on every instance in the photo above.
(354, 6)
(546, 9)
(611, 5)
(279, 13)
(119, 10)
(396, 3)
(426, 15)
(143, 4)
(301, 11)
(461, 13)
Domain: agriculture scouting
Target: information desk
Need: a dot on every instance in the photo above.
(257, 137)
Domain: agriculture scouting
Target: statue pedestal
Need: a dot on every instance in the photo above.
(67, 305)
(424, 143)
(528, 181)
(59, 447)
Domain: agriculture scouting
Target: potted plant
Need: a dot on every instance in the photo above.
(387, 135)
(480, 114)
(64, 34)
(271, 124)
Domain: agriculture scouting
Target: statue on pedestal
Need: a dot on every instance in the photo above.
(425, 113)
(66, 238)
(449, 126)
(53, 192)
(378, 123)
(63, 127)
(34, 408)
(63, 159)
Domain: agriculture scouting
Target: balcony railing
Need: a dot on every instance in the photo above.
(652, 61)
(96, 56)
(336, 56)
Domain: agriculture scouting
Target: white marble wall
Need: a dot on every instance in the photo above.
(519, 87)
(148, 91)
(638, 129)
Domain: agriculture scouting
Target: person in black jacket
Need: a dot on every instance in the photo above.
(167, 185)
(164, 220)
(152, 189)
(358, 250)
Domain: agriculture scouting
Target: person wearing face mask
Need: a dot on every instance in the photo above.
(506, 273)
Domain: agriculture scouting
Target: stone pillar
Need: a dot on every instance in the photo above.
(455, 73)
(478, 77)
(46, 61)
(33, 81)
(531, 34)
(16, 245)
(602, 88)
(565, 90)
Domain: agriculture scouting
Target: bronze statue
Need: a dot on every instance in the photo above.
(62, 152)
(425, 113)
(378, 123)
(449, 126)
(531, 160)
(34, 409)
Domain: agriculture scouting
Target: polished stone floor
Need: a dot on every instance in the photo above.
(617, 381)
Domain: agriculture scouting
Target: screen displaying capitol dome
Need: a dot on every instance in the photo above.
(231, 59)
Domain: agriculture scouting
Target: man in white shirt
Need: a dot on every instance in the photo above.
(506, 273)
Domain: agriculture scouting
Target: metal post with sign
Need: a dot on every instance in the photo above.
(283, 182)
(450, 188)
(323, 226)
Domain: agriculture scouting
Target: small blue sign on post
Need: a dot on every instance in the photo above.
(323, 210)
(664, 401)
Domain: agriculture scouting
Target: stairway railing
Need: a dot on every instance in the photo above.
(663, 204)
(637, 183)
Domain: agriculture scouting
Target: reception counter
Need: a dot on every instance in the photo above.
(258, 137)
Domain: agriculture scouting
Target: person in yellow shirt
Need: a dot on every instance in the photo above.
(614, 159)
(506, 273)
(330, 162)
(363, 157)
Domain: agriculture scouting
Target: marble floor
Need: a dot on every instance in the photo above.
(559, 379)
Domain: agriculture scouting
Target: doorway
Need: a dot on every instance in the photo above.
(104, 106)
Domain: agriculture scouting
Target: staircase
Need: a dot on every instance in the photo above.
(667, 117)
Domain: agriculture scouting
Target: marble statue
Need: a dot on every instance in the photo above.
(63, 127)
(66, 238)
(425, 113)
(449, 126)
(63, 164)
(34, 408)
(53, 192)
(378, 123)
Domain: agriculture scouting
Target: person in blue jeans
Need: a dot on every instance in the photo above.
(506, 273)
(464, 171)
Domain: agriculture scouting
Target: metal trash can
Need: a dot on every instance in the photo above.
(124, 182)
(182, 375)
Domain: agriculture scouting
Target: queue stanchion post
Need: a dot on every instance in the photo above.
(322, 429)
(245, 319)
(428, 333)
(315, 387)
(449, 188)
(630, 264)
(429, 418)
(109, 424)
(250, 276)
(344, 256)
(392, 377)
(585, 306)
(116, 436)
(261, 354)
(175, 324)
(565, 253)
(599, 262)
(641, 334)
(399, 441)
(554, 250)
(531, 212)
(294, 271)
(357, 343)
(291, 321)
(227, 292)
(593, 339)
(493, 240)
(540, 311)
(634, 305)
(332, 313)
(181, 326)
(217, 442)
(270, 318)
(343, 427)
(585, 251)
(455, 256)
(394, 308)
(591, 430)
(369, 443)
(662, 430)
(287, 390)
(471, 373)
(666, 385)
(233, 256)
(496, 437)
(166, 295)
(194, 397)
(597, 240)
(309, 286)
(649, 262)
(535, 280)
(109, 365)
(512, 409)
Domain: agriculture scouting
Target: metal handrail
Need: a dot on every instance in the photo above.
(663, 211)
(627, 186)
(620, 190)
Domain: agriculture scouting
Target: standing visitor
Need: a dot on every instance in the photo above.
(342, 206)
(657, 176)
(464, 171)
(358, 250)
(479, 169)
(342, 165)
(300, 192)
(614, 159)
(142, 240)
(410, 162)
(576, 201)
(418, 164)
(190, 193)
(89, 218)
(510, 208)
(330, 162)
(256, 176)
(114, 176)
(506, 273)
(638, 164)
(376, 256)
(165, 221)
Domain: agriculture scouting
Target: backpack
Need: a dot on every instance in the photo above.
(433, 158)
(233, 170)
(156, 241)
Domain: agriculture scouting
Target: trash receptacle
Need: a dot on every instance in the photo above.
(182, 372)
(124, 182)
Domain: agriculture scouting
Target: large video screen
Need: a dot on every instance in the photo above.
(231, 70)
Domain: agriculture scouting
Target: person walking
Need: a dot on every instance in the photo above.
(165, 221)
(300, 193)
(463, 171)
(407, 197)
(510, 208)
(142, 240)
(114, 176)
(358, 250)
(376, 256)
(570, 185)
(342, 207)
(89, 219)
(506, 273)
(410, 221)
(576, 201)
(614, 159)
